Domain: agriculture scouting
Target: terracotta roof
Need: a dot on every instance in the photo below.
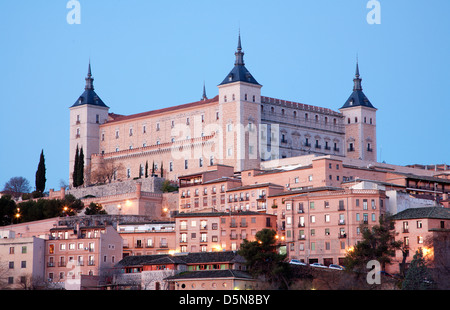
(209, 274)
(118, 118)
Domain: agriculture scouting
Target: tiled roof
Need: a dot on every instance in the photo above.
(425, 212)
(118, 118)
(210, 274)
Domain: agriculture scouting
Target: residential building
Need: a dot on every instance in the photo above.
(147, 238)
(190, 271)
(76, 250)
(426, 228)
(319, 227)
(219, 231)
(21, 262)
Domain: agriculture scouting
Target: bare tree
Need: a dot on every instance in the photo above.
(17, 186)
(439, 258)
(106, 172)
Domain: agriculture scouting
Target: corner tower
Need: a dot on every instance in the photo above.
(240, 116)
(360, 123)
(86, 115)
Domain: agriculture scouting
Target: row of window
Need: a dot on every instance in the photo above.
(233, 97)
(341, 204)
(356, 120)
(306, 115)
(327, 219)
(72, 246)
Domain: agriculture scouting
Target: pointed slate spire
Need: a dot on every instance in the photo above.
(357, 98)
(89, 96)
(357, 80)
(204, 97)
(239, 73)
(239, 53)
(89, 79)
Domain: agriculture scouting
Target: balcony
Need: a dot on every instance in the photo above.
(342, 235)
(341, 222)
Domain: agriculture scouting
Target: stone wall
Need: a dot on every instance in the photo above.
(151, 184)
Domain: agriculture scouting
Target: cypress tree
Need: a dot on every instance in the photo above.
(80, 174)
(75, 169)
(162, 170)
(153, 169)
(40, 174)
(146, 169)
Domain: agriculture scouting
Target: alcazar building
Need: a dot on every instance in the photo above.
(239, 127)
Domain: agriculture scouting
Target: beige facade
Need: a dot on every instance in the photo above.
(21, 262)
(219, 231)
(147, 238)
(74, 251)
(239, 127)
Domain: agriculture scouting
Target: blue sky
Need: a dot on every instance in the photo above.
(151, 54)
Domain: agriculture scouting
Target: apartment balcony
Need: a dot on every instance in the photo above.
(342, 236)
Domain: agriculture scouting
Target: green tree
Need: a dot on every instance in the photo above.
(7, 209)
(80, 173)
(94, 208)
(378, 243)
(146, 169)
(75, 168)
(418, 277)
(168, 187)
(162, 170)
(263, 259)
(40, 174)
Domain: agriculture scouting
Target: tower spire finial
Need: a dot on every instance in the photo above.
(357, 79)
(204, 97)
(89, 79)
(357, 66)
(239, 53)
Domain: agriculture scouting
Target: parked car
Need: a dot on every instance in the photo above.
(337, 267)
(297, 262)
(318, 265)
